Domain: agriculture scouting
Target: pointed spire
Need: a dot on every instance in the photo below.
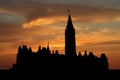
(85, 54)
(69, 23)
(70, 43)
(39, 49)
(48, 49)
(48, 44)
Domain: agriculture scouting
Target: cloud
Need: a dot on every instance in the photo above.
(81, 13)
(10, 18)
(39, 14)
(9, 32)
(44, 22)
(33, 10)
(110, 3)
(113, 42)
(106, 29)
(104, 43)
(42, 15)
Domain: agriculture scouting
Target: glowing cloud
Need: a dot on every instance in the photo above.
(43, 21)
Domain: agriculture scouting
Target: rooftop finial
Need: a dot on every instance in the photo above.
(69, 11)
(48, 44)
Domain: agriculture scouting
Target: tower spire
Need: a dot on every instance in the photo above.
(70, 43)
(48, 44)
(69, 23)
(48, 48)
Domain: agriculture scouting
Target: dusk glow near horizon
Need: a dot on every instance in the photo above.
(36, 22)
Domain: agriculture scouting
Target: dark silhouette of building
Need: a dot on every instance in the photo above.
(47, 61)
(70, 43)
(26, 59)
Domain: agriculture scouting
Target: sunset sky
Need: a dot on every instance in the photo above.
(35, 22)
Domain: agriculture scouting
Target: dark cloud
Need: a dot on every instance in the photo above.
(6, 17)
(83, 13)
(89, 28)
(32, 11)
(110, 3)
(35, 9)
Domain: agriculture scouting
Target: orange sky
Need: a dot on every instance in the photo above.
(35, 22)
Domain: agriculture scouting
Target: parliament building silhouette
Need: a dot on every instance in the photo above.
(45, 61)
